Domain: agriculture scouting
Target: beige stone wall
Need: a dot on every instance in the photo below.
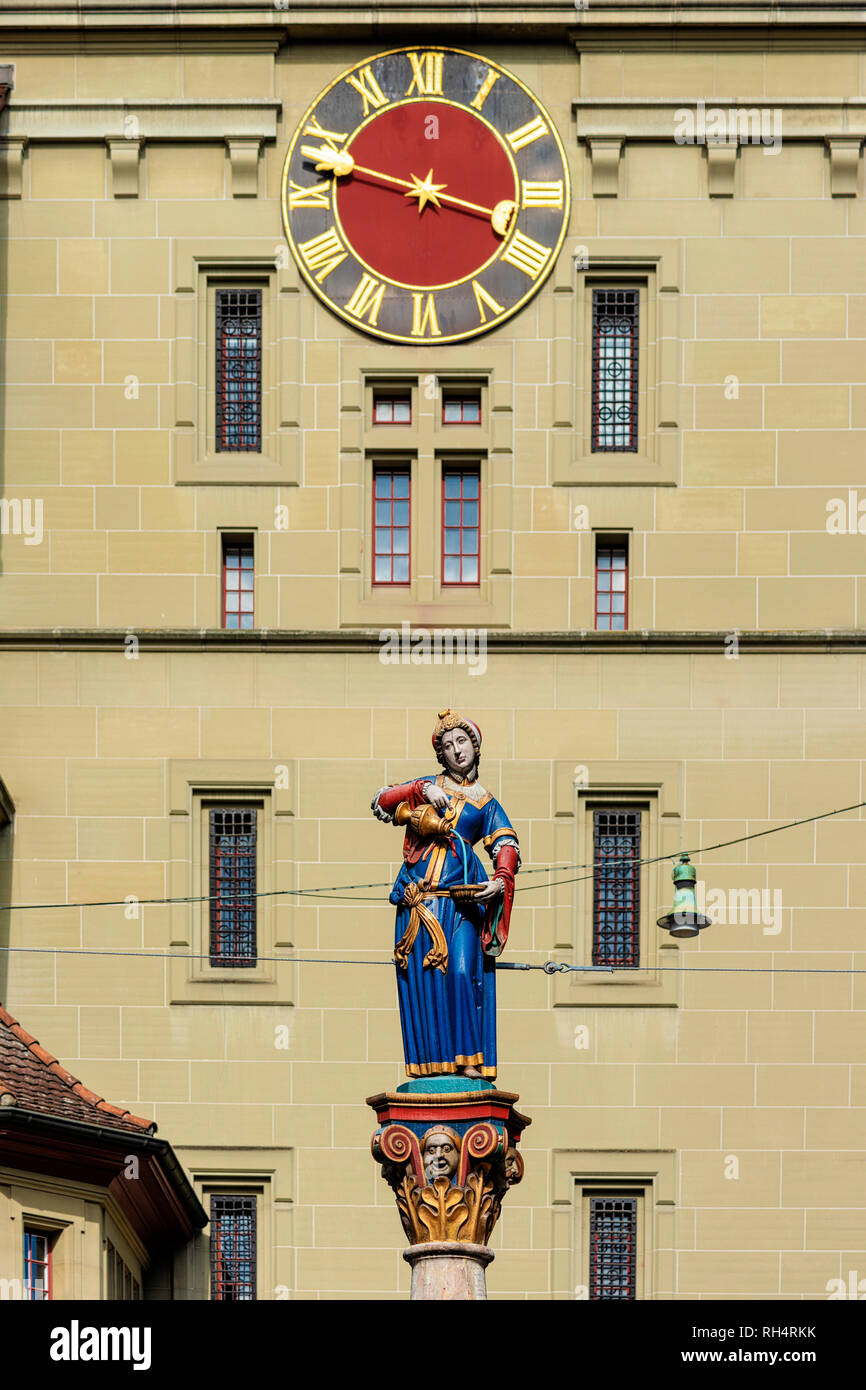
(755, 294)
(761, 355)
(765, 1068)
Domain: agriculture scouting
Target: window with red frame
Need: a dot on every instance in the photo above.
(461, 525)
(37, 1266)
(238, 584)
(232, 1248)
(461, 408)
(238, 371)
(391, 539)
(392, 408)
(611, 586)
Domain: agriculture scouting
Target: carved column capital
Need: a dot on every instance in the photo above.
(449, 1157)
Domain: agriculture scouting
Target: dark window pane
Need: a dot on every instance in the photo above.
(233, 885)
(614, 370)
(233, 1249)
(612, 1248)
(239, 371)
(616, 897)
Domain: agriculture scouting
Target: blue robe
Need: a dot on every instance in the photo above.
(449, 1020)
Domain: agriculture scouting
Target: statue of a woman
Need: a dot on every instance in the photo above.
(447, 936)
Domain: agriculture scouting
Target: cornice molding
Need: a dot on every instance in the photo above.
(610, 23)
(150, 119)
(371, 640)
(655, 118)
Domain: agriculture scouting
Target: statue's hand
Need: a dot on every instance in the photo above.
(435, 796)
(378, 811)
(492, 889)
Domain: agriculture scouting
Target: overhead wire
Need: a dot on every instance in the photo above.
(345, 888)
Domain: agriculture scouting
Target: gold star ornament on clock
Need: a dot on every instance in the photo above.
(425, 195)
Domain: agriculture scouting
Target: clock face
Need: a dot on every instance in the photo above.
(425, 195)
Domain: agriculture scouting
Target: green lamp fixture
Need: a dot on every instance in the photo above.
(685, 920)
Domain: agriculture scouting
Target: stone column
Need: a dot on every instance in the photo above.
(448, 1269)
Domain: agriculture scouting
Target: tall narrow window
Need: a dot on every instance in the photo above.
(37, 1267)
(461, 525)
(238, 584)
(233, 886)
(616, 893)
(391, 543)
(612, 1248)
(233, 1248)
(611, 586)
(615, 370)
(238, 371)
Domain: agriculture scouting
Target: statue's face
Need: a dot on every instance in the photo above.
(440, 1156)
(458, 752)
(512, 1167)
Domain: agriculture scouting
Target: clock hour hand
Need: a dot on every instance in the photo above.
(341, 164)
(337, 161)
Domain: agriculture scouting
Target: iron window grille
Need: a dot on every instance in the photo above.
(611, 587)
(232, 1249)
(615, 370)
(392, 409)
(612, 1248)
(37, 1267)
(238, 585)
(461, 526)
(238, 371)
(233, 886)
(391, 534)
(463, 409)
(616, 888)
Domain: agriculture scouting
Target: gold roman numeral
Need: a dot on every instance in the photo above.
(370, 92)
(482, 298)
(323, 253)
(541, 195)
(426, 74)
(533, 130)
(484, 90)
(527, 255)
(424, 322)
(315, 195)
(334, 138)
(366, 299)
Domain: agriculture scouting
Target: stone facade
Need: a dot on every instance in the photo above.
(139, 169)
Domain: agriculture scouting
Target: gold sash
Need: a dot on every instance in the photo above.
(419, 914)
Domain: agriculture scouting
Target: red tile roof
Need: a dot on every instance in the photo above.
(34, 1080)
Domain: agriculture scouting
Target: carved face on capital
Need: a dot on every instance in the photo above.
(513, 1172)
(458, 753)
(440, 1155)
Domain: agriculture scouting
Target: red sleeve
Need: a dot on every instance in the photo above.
(390, 798)
(506, 868)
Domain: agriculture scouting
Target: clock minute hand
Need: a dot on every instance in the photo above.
(341, 163)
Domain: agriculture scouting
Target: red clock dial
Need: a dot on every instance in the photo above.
(425, 195)
(383, 221)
